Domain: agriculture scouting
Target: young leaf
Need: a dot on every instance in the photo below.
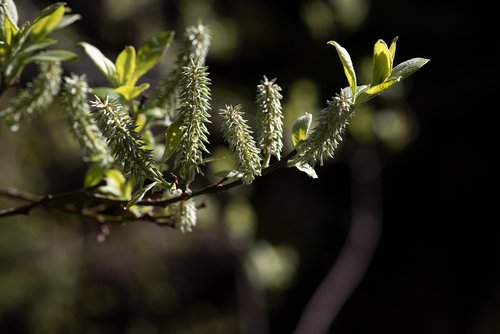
(371, 92)
(125, 66)
(33, 46)
(52, 56)
(45, 25)
(150, 52)
(345, 58)
(301, 128)
(308, 169)
(66, 20)
(172, 140)
(130, 92)
(101, 61)
(392, 48)
(10, 30)
(229, 174)
(407, 68)
(139, 194)
(115, 184)
(382, 62)
(10, 9)
(93, 176)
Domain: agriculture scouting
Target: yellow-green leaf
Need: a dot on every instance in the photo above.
(93, 176)
(150, 52)
(301, 128)
(345, 58)
(172, 140)
(373, 91)
(382, 62)
(106, 66)
(392, 48)
(45, 25)
(125, 66)
(131, 92)
(10, 29)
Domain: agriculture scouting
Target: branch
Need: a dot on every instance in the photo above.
(51, 200)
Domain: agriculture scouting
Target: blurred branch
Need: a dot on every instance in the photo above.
(79, 196)
(356, 254)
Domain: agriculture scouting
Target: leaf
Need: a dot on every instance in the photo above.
(139, 194)
(53, 56)
(172, 140)
(115, 181)
(229, 174)
(150, 52)
(11, 10)
(125, 66)
(369, 93)
(10, 30)
(36, 45)
(301, 128)
(306, 168)
(130, 92)
(67, 20)
(407, 68)
(45, 25)
(392, 48)
(103, 92)
(382, 62)
(106, 66)
(348, 67)
(93, 176)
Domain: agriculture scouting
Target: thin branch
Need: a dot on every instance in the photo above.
(51, 200)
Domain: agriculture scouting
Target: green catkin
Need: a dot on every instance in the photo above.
(327, 135)
(239, 136)
(36, 97)
(269, 120)
(196, 44)
(127, 146)
(184, 214)
(81, 123)
(194, 98)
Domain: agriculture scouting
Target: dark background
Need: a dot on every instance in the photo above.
(436, 267)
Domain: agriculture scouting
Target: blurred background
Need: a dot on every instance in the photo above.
(408, 184)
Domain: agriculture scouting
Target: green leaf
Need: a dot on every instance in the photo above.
(125, 66)
(348, 67)
(36, 45)
(229, 174)
(392, 48)
(53, 56)
(382, 62)
(67, 20)
(139, 194)
(11, 11)
(149, 52)
(10, 31)
(45, 25)
(106, 66)
(102, 92)
(93, 176)
(130, 92)
(407, 68)
(301, 128)
(369, 93)
(115, 182)
(308, 169)
(172, 140)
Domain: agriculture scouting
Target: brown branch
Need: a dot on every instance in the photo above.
(51, 200)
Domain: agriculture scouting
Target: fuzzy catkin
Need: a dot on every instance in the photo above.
(194, 98)
(269, 120)
(36, 97)
(239, 136)
(81, 123)
(326, 137)
(127, 146)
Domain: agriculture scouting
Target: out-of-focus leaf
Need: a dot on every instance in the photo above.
(102, 92)
(36, 45)
(172, 140)
(106, 66)
(229, 174)
(67, 20)
(125, 66)
(45, 25)
(10, 31)
(10, 10)
(53, 56)
(131, 92)
(139, 194)
(300, 128)
(115, 182)
(149, 52)
(93, 176)
(345, 58)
